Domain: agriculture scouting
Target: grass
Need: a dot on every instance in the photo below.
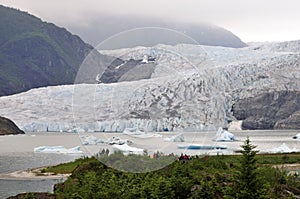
(65, 168)
(262, 159)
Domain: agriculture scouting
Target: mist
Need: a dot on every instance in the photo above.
(255, 20)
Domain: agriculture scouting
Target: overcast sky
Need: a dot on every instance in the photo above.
(251, 20)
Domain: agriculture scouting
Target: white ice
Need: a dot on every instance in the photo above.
(175, 138)
(127, 149)
(91, 140)
(297, 136)
(223, 136)
(57, 149)
(134, 132)
(283, 149)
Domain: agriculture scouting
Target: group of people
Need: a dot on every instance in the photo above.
(184, 157)
(104, 152)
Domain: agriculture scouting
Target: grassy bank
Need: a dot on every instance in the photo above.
(262, 159)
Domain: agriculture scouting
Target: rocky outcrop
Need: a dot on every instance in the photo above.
(8, 127)
(269, 111)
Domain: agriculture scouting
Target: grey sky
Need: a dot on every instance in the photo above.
(251, 20)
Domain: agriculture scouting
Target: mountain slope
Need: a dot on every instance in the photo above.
(34, 53)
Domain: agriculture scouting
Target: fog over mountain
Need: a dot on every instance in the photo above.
(106, 26)
(255, 20)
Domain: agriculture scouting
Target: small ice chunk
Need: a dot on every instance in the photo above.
(175, 138)
(283, 149)
(132, 131)
(128, 149)
(297, 136)
(116, 140)
(91, 140)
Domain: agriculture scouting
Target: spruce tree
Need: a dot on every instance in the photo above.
(248, 183)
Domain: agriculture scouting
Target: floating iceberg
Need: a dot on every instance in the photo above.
(224, 136)
(134, 132)
(92, 140)
(128, 149)
(284, 149)
(297, 136)
(198, 146)
(117, 140)
(175, 138)
(57, 149)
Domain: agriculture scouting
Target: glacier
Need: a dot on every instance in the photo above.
(192, 88)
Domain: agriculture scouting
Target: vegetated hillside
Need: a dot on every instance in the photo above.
(8, 127)
(34, 53)
(106, 26)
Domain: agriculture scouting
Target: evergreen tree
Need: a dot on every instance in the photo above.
(248, 184)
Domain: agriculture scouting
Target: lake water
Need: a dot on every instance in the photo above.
(16, 152)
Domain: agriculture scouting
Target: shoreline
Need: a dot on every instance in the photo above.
(32, 174)
(36, 173)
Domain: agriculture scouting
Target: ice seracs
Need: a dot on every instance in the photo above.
(224, 136)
